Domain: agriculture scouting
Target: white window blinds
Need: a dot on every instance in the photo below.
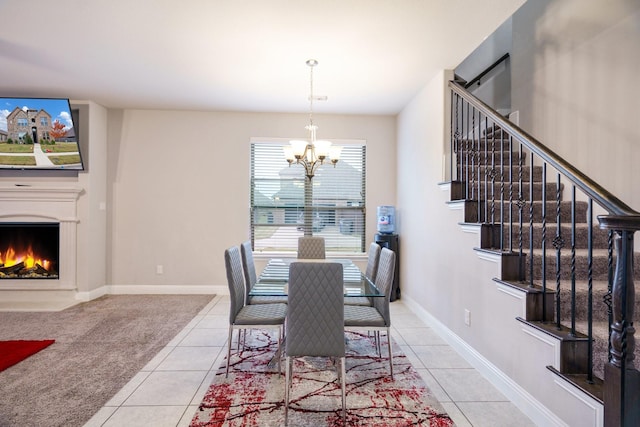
(277, 200)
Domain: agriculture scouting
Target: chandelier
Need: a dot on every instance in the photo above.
(311, 153)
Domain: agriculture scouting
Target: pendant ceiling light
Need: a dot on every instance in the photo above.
(312, 152)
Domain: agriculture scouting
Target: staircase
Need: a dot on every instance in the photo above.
(538, 213)
(574, 297)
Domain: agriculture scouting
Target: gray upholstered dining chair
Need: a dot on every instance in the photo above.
(373, 259)
(311, 247)
(242, 316)
(250, 278)
(315, 319)
(371, 270)
(376, 318)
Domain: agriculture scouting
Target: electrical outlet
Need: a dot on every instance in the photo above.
(467, 317)
(159, 269)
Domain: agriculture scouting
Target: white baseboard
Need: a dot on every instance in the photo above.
(530, 406)
(151, 290)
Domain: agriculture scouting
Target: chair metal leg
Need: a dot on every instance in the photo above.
(287, 386)
(279, 352)
(229, 349)
(390, 354)
(344, 387)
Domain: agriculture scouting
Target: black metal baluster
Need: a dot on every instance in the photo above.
(501, 176)
(458, 134)
(474, 151)
(609, 295)
(573, 261)
(493, 179)
(465, 139)
(452, 131)
(510, 232)
(558, 244)
(485, 163)
(531, 224)
(543, 257)
(590, 293)
(476, 169)
(521, 205)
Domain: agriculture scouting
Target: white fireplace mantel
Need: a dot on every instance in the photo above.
(38, 203)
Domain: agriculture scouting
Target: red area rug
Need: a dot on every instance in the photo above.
(253, 395)
(12, 352)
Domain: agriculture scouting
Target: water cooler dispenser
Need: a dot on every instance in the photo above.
(387, 238)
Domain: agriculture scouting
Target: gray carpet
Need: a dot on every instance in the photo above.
(100, 345)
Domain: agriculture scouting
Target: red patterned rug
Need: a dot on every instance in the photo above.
(253, 395)
(12, 352)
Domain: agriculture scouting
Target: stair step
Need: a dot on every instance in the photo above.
(506, 170)
(468, 157)
(573, 359)
(471, 211)
(495, 131)
(601, 345)
(593, 387)
(599, 264)
(599, 288)
(499, 189)
(492, 144)
(600, 237)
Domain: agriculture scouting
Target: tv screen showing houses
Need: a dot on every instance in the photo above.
(37, 133)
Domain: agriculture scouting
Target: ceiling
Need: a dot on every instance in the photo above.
(238, 55)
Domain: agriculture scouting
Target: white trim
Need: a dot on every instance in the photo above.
(151, 290)
(547, 339)
(456, 205)
(514, 293)
(470, 228)
(92, 294)
(490, 256)
(597, 407)
(166, 289)
(530, 406)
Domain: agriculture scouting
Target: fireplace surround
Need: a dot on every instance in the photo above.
(37, 204)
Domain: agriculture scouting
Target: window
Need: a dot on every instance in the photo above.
(44, 121)
(337, 200)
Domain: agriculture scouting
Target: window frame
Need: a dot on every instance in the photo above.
(346, 224)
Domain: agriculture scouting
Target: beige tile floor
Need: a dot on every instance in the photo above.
(168, 390)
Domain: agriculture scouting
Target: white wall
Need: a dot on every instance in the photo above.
(179, 186)
(495, 88)
(92, 204)
(575, 82)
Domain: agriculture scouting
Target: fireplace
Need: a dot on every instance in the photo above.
(41, 209)
(29, 250)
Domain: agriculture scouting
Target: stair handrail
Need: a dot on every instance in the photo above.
(607, 200)
(486, 71)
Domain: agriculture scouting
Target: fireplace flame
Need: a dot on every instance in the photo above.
(10, 258)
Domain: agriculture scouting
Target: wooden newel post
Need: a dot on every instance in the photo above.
(621, 378)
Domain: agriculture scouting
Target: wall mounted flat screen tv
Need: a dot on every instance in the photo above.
(38, 133)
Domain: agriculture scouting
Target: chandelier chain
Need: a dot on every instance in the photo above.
(311, 65)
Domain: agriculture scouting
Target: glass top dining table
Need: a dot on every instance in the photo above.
(274, 279)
